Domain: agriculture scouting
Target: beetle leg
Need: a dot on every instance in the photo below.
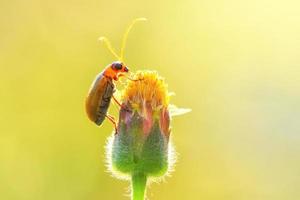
(129, 78)
(119, 104)
(140, 79)
(112, 120)
(114, 98)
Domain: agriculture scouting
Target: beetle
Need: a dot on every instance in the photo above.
(101, 91)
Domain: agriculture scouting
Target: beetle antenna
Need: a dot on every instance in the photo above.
(109, 47)
(126, 36)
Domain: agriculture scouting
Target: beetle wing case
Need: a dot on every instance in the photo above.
(99, 97)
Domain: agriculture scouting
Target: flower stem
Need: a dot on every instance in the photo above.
(138, 186)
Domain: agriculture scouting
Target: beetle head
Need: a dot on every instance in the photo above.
(119, 67)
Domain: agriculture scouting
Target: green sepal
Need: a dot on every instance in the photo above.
(134, 151)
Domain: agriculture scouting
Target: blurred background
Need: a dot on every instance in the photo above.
(234, 63)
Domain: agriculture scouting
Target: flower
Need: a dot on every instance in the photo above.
(141, 149)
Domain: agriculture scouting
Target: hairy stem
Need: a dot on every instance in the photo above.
(138, 186)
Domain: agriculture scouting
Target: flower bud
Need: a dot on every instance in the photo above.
(140, 148)
(142, 141)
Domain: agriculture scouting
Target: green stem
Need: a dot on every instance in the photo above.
(138, 186)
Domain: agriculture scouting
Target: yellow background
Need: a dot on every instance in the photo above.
(234, 63)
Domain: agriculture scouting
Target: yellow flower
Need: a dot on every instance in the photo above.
(141, 149)
(146, 87)
(148, 96)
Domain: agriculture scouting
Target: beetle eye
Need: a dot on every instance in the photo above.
(117, 66)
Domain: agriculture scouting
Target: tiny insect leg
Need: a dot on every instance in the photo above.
(112, 120)
(116, 100)
(129, 78)
(140, 79)
(119, 104)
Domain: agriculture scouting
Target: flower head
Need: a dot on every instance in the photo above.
(148, 97)
(141, 149)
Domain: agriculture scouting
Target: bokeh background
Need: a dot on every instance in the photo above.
(234, 63)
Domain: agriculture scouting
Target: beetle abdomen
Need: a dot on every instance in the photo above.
(104, 103)
(98, 99)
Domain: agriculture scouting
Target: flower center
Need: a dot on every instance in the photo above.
(147, 89)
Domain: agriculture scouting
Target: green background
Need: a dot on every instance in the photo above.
(234, 63)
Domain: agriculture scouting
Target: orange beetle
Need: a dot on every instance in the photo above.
(101, 91)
